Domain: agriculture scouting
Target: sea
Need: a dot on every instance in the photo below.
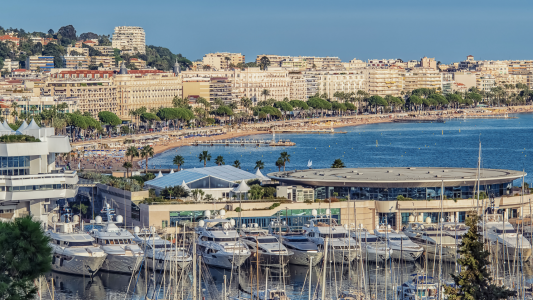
(505, 144)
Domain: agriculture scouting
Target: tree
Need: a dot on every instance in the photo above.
(265, 93)
(67, 32)
(198, 194)
(205, 157)
(219, 160)
(338, 164)
(132, 152)
(127, 165)
(280, 163)
(179, 161)
(474, 281)
(26, 255)
(146, 152)
(285, 157)
(259, 165)
(256, 192)
(264, 62)
(237, 164)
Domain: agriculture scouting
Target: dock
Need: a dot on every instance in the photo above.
(308, 131)
(439, 120)
(244, 142)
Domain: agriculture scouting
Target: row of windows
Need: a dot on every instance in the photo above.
(14, 162)
(43, 187)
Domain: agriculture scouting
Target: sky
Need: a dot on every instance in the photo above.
(373, 29)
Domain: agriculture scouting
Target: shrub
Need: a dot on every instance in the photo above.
(18, 139)
(274, 205)
(238, 209)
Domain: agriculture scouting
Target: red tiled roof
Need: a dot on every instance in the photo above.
(14, 81)
(144, 71)
(20, 70)
(8, 37)
(89, 41)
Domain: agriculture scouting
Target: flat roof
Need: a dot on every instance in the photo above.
(395, 177)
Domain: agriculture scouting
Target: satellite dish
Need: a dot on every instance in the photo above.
(98, 219)
(222, 212)
(232, 222)
(243, 225)
(314, 212)
(201, 223)
(207, 213)
(136, 229)
(76, 219)
(120, 219)
(328, 212)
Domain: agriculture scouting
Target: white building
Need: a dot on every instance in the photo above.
(29, 180)
(129, 39)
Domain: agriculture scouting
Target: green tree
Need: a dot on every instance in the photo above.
(265, 93)
(256, 192)
(205, 157)
(219, 160)
(280, 163)
(286, 157)
(179, 161)
(132, 152)
(198, 194)
(237, 164)
(338, 164)
(26, 255)
(259, 165)
(474, 281)
(146, 152)
(127, 165)
(264, 62)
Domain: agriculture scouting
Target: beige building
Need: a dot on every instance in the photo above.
(500, 80)
(428, 63)
(105, 61)
(275, 60)
(385, 82)
(418, 78)
(493, 67)
(138, 63)
(312, 62)
(295, 64)
(298, 86)
(10, 65)
(196, 87)
(79, 50)
(466, 78)
(329, 82)
(76, 62)
(222, 60)
(129, 39)
(105, 50)
(520, 66)
(485, 82)
(354, 64)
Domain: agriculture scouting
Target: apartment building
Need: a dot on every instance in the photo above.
(385, 82)
(520, 66)
(138, 63)
(130, 39)
(329, 82)
(10, 65)
(417, 78)
(105, 50)
(148, 88)
(13, 41)
(354, 64)
(428, 63)
(103, 61)
(78, 51)
(76, 62)
(493, 67)
(222, 60)
(195, 87)
(275, 60)
(485, 82)
(468, 64)
(323, 63)
(298, 86)
(466, 78)
(295, 64)
(382, 63)
(500, 80)
(43, 63)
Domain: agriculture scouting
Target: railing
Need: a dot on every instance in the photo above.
(70, 174)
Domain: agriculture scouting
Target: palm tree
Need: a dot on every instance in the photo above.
(205, 157)
(237, 164)
(220, 160)
(286, 158)
(33, 109)
(127, 165)
(265, 93)
(259, 165)
(280, 163)
(338, 164)
(147, 151)
(132, 152)
(179, 161)
(14, 106)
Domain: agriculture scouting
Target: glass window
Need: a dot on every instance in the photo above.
(4, 162)
(10, 162)
(22, 162)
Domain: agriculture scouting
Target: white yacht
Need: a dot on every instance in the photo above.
(164, 252)
(402, 247)
(74, 252)
(505, 239)
(341, 248)
(372, 248)
(430, 237)
(419, 287)
(219, 242)
(271, 252)
(304, 250)
(123, 255)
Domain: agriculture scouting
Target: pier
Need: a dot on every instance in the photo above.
(244, 142)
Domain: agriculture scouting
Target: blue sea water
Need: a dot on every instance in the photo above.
(506, 144)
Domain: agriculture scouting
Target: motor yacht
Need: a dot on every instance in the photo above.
(74, 251)
(402, 247)
(219, 242)
(434, 239)
(123, 255)
(505, 239)
(418, 287)
(162, 251)
(270, 251)
(372, 248)
(304, 250)
(341, 248)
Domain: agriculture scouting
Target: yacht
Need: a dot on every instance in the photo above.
(430, 237)
(164, 252)
(304, 250)
(372, 248)
(74, 252)
(271, 252)
(341, 248)
(418, 287)
(402, 247)
(123, 255)
(505, 239)
(219, 242)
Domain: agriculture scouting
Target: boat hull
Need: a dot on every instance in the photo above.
(162, 264)
(342, 256)
(303, 257)
(121, 264)
(271, 260)
(225, 260)
(406, 255)
(77, 265)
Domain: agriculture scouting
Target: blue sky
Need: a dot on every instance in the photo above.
(409, 29)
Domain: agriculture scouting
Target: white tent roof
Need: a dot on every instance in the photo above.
(184, 186)
(23, 126)
(260, 175)
(160, 174)
(6, 126)
(242, 188)
(32, 125)
(171, 171)
(2, 128)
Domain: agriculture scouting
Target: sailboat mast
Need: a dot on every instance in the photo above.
(324, 268)
(478, 174)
